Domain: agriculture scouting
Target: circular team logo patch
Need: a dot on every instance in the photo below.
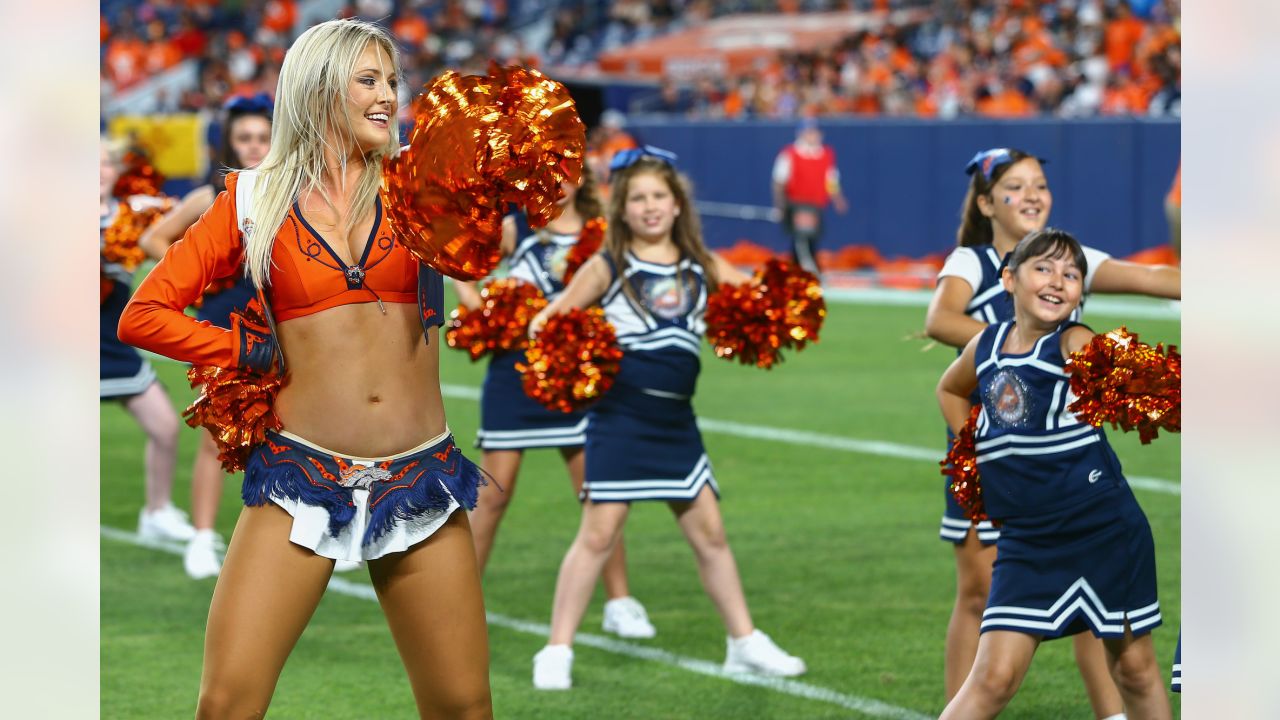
(1007, 399)
(666, 299)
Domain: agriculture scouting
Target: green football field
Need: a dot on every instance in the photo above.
(831, 497)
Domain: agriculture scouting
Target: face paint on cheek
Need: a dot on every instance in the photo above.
(1008, 200)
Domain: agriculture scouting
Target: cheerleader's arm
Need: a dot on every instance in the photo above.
(945, 320)
(157, 238)
(957, 386)
(726, 273)
(1120, 276)
(587, 286)
(155, 319)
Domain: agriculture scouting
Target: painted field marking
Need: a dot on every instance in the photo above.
(867, 706)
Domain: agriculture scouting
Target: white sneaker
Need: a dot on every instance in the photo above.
(346, 565)
(201, 558)
(552, 666)
(756, 653)
(167, 523)
(625, 617)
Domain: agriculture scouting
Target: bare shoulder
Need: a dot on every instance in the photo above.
(1074, 338)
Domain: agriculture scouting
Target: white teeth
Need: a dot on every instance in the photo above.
(377, 116)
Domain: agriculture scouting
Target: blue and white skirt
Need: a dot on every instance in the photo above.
(511, 420)
(1176, 683)
(122, 371)
(1084, 568)
(642, 446)
(349, 508)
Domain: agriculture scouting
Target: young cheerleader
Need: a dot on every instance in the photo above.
(642, 439)
(246, 138)
(126, 376)
(356, 337)
(512, 422)
(1075, 549)
(1009, 197)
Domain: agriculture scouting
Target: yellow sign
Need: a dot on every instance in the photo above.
(175, 143)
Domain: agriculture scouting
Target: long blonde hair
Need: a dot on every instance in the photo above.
(310, 115)
(686, 233)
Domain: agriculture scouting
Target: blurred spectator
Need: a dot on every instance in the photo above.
(805, 181)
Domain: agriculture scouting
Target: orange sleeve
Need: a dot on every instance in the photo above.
(155, 319)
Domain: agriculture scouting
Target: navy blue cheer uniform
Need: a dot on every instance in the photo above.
(980, 266)
(122, 371)
(1076, 550)
(510, 419)
(642, 437)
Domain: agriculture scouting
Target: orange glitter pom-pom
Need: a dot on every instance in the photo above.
(120, 239)
(573, 361)
(782, 307)
(961, 465)
(589, 242)
(478, 143)
(105, 286)
(235, 405)
(139, 177)
(1119, 380)
(500, 324)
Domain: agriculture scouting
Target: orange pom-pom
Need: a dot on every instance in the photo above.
(1119, 380)
(589, 242)
(105, 286)
(573, 361)
(782, 307)
(120, 239)
(961, 465)
(478, 143)
(235, 405)
(501, 323)
(139, 177)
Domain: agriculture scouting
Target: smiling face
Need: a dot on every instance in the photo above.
(1019, 202)
(1046, 288)
(650, 207)
(371, 99)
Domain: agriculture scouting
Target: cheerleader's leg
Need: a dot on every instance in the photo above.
(1091, 659)
(974, 561)
(614, 575)
(153, 411)
(1138, 676)
(266, 593)
(703, 527)
(1002, 662)
(503, 466)
(434, 607)
(597, 535)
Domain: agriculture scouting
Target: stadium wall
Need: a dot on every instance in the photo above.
(904, 178)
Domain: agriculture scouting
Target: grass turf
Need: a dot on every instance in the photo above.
(838, 552)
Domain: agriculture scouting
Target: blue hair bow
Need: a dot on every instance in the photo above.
(989, 160)
(260, 103)
(627, 158)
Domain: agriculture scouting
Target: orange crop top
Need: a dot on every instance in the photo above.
(307, 277)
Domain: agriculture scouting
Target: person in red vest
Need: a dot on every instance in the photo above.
(805, 180)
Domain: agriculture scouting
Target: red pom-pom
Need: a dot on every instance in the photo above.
(105, 286)
(1127, 383)
(501, 323)
(961, 465)
(120, 239)
(478, 143)
(782, 307)
(573, 361)
(589, 242)
(139, 177)
(235, 405)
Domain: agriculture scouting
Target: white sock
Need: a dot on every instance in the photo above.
(1117, 716)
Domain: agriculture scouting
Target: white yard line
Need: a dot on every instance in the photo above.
(867, 706)
(829, 442)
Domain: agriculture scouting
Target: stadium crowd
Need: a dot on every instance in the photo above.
(995, 58)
